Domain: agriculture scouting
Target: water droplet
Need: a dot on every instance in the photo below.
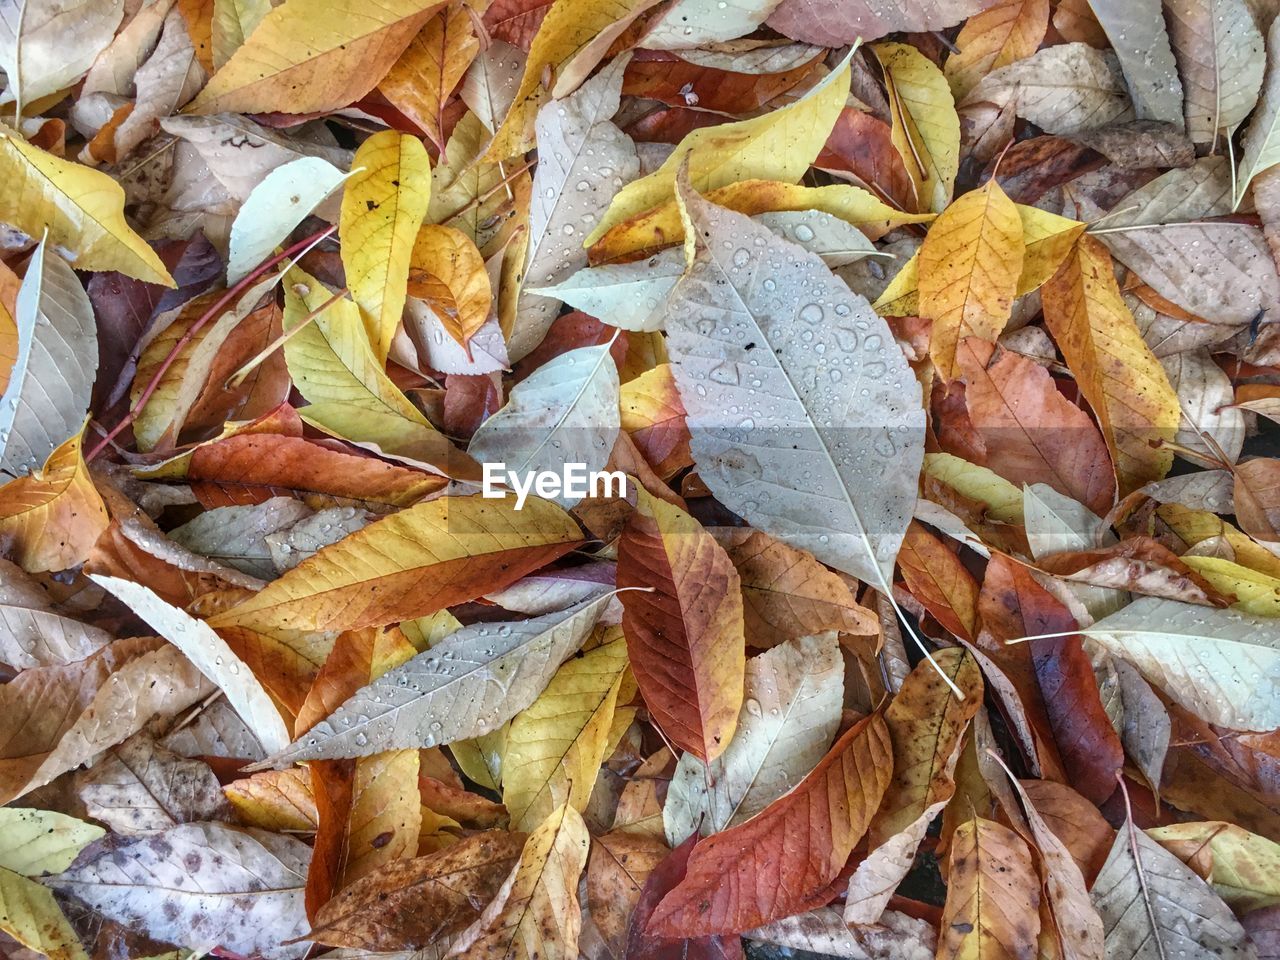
(804, 233)
(811, 313)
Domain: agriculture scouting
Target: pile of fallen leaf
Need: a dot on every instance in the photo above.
(937, 343)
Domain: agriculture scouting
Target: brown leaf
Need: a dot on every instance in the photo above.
(936, 577)
(992, 895)
(619, 866)
(784, 859)
(685, 638)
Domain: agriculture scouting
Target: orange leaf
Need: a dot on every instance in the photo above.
(783, 860)
(936, 577)
(685, 636)
(447, 271)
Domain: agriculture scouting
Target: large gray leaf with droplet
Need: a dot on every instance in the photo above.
(1165, 233)
(1219, 51)
(565, 412)
(200, 885)
(1138, 37)
(237, 536)
(1222, 665)
(1260, 148)
(583, 160)
(790, 713)
(470, 683)
(632, 295)
(1153, 907)
(805, 418)
(49, 388)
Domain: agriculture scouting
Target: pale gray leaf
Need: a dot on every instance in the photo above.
(1061, 89)
(687, 24)
(1154, 908)
(237, 536)
(470, 683)
(1206, 397)
(46, 45)
(790, 713)
(565, 412)
(1146, 728)
(823, 931)
(491, 82)
(583, 160)
(32, 633)
(426, 344)
(49, 388)
(1219, 51)
(1057, 524)
(1212, 490)
(1138, 37)
(805, 417)
(210, 654)
(200, 885)
(753, 56)
(1222, 665)
(216, 731)
(140, 787)
(289, 547)
(240, 153)
(552, 590)
(285, 197)
(1261, 144)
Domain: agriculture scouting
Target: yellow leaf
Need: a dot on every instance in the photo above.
(30, 915)
(535, 915)
(573, 38)
(1002, 499)
(1011, 30)
(310, 56)
(35, 842)
(413, 563)
(82, 209)
(1115, 370)
(662, 226)
(333, 366)
(481, 757)
(231, 23)
(555, 747)
(968, 268)
(51, 519)
(1194, 526)
(993, 895)
(1047, 239)
(1243, 867)
(9, 284)
(383, 204)
(926, 128)
(275, 800)
(419, 83)
(1255, 592)
(778, 145)
(448, 272)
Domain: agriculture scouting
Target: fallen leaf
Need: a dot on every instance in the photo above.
(817, 21)
(684, 626)
(817, 824)
(1220, 55)
(926, 130)
(992, 894)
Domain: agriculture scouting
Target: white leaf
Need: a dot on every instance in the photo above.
(583, 159)
(632, 295)
(805, 417)
(1062, 89)
(1138, 37)
(140, 787)
(32, 633)
(237, 536)
(210, 654)
(1153, 907)
(424, 343)
(565, 412)
(1220, 54)
(470, 683)
(1057, 524)
(1207, 399)
(552, 590)
(47, 45)
(823, 931)
(49, 388)
(201, 885)
(290, 547)
(1261, 145)
(285, 197)
(794, 693)
(688, 24)
(1222, 665)
(1146, 727)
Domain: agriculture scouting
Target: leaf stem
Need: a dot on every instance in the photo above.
(237, 378)
(195, 328)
